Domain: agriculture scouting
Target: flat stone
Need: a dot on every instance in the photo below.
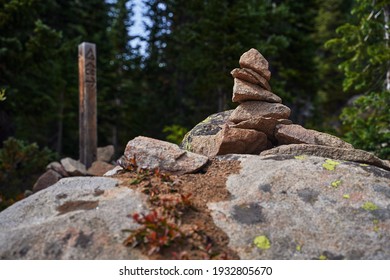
(296, 134)
(244, 91)
(263, 124)
(73, 167)
(255, 109)
(57, 167)
(151, 153)
(99, 168)
(328, 152)
(105, 153)
(113, 171)
(250, 76)
(254, 60)
(78, 218)
(232, 140)
(47, 179)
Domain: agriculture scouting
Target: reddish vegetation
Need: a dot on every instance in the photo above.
(179, 225)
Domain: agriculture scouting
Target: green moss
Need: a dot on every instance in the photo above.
(322, 257)
(330, 164)
(262, 242)
(346, 196)
(300, 157)
(336, 183)
(369, 206)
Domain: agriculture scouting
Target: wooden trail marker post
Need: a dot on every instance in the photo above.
(87, 104)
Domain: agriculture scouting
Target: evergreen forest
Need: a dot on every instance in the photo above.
(330, 63)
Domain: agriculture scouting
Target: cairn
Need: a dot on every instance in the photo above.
(260, 109)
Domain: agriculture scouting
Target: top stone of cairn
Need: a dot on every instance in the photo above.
(254, 60)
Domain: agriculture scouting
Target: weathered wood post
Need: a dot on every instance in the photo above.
(87, 108)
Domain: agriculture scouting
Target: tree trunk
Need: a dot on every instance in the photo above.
(386, 12)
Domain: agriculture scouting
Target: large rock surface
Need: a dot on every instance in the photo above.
(244, 91)
(355, 155)
(281, 207)
(77, 218)
(255, 109)
(287, 207)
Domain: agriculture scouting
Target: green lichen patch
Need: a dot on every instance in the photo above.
(298, 248)
(300, 157)
(346, 196)
(322, 257)
(330, 164)
(369, 206)
(363, 164)
(262, 242)
(336, 184)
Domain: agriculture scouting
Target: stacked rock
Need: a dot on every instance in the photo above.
(260, 109)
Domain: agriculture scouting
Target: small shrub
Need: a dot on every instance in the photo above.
(175, 133)
(366, 123)
(21, 164)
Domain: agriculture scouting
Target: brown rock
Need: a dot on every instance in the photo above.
(151, 153)
(232, 140)
(296, 134)
(256, 109)
(254, 60)
(99, 168)
(57, 167)
(250, 76)
(244, 91)
(50, 177)
(73, 167)
(105, 153)
(263, 124)
(328, 152)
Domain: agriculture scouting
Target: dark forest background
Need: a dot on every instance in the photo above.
(329, 62)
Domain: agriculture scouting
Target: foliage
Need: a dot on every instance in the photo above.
(364, 46)
(175, 133)
(367, 123)
(2, 95)
(21, 164)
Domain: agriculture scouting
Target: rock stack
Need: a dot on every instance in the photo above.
(260, 109)
(260, 122)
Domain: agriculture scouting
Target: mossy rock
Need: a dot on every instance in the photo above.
(203, 131)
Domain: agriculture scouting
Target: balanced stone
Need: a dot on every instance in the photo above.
(244, 91)
(232, 140)
(250, 76)
(254, 60)
(256, 109)
(263, 124)
(296, 134)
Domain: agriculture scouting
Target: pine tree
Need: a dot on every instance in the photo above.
(364, 46)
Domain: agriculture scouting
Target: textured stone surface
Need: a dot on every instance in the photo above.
(239, 141)
(50, 177)
(255, 109)
(305, 210)
(254, 60)
(197, 139)
(329, 152)
(57, 167)
(151, 153)
(73, 167)
(105, 153)
(99, 168)
(263, 124)
(244, 91)
(77, 218)
(250, 76)
(296, 134)
(113, 171)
